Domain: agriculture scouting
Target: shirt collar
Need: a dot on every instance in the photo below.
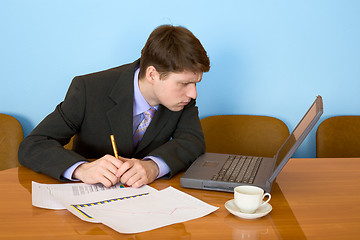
(140, 104)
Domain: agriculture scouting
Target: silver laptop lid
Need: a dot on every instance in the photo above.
(297, 136)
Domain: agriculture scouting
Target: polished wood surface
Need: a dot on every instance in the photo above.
(311, 199)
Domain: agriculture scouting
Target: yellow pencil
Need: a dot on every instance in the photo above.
(114, 146)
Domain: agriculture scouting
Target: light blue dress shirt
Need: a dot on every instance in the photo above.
(140, 105)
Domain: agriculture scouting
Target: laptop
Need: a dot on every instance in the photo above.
(223, 172)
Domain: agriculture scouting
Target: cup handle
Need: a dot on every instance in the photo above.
(269, 197)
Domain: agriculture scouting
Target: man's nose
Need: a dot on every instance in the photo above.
(191, 92)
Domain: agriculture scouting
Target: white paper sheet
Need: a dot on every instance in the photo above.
(42, 196)
(70, 195)
(125, 209)
(149, 212)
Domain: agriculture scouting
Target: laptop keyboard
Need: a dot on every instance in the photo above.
(238, 169)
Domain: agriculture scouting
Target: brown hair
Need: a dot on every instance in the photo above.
(173, 49)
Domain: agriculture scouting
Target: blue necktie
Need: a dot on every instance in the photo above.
(139, 133)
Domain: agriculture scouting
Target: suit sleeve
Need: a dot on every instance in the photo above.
(42, 150)
(186, 144)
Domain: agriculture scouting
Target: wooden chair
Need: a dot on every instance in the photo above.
(11, 134)
(69, 146)
(338, 137)
(244, 134)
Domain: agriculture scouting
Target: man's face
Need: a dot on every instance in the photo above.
(175, 90)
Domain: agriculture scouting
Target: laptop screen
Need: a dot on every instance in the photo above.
(298, 135)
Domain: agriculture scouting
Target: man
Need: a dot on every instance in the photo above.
(155, 94)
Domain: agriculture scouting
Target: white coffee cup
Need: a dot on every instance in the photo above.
(249, 198)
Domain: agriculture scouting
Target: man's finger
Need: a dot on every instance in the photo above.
(125, 166)
(132, 179)
(115, 161)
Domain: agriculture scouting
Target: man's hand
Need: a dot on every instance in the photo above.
(134, 172)
(102, 171)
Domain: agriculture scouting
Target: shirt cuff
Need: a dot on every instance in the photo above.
(163, 167)
(69, 172)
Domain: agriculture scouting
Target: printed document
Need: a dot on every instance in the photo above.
(69, 195)
(122, 208)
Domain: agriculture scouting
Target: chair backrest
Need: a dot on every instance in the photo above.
(338, 137)
(69, 146)
(244, 134)
(11, 134)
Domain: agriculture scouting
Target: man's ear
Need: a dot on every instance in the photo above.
(151, 74)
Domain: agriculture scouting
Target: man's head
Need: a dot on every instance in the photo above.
(173, 49)
(172, 62)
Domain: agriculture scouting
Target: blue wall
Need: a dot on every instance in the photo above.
(267, 57)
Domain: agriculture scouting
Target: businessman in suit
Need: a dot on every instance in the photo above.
(118, 101)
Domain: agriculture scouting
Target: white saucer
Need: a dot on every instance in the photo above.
(260, 212)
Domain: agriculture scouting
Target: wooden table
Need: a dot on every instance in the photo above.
(311, 199)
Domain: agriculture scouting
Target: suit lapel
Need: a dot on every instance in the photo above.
(121, 115)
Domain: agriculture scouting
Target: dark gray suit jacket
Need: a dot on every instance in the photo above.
(98, 105)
